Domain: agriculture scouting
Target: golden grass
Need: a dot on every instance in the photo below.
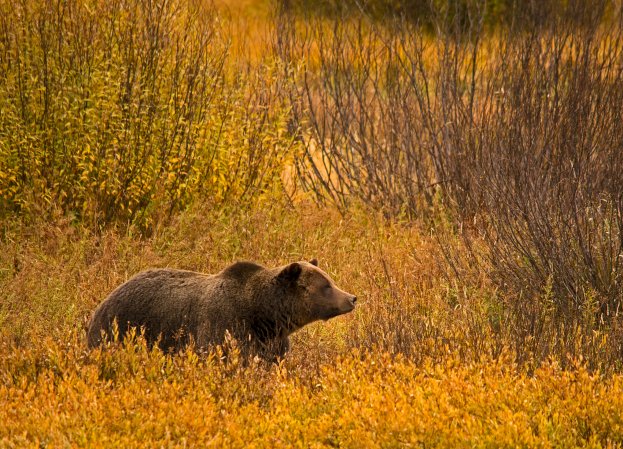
(411, 367)
(59, 395)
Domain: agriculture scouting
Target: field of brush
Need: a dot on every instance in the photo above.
(456, 165)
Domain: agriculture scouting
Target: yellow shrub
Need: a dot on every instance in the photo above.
(124, 111)
(59, 395)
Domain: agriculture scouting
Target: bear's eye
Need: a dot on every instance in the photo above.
(326, 287)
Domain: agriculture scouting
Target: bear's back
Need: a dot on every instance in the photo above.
(162, 300)
(165, 300)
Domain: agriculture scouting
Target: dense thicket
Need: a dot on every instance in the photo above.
(516, 133)
(119, 111)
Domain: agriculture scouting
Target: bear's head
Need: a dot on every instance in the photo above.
(312, 293)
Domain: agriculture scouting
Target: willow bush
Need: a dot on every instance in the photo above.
(123, 111)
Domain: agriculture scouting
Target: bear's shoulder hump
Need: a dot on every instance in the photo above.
(241, 270)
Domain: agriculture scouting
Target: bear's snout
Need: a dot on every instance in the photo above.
(349, 304)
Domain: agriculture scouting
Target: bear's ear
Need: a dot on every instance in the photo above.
(314, 262)
(290, 274)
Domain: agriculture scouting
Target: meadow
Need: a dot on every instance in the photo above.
(458, 168)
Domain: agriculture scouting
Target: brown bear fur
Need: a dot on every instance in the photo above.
(258, 306)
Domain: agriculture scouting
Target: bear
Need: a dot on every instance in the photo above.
(258, 306)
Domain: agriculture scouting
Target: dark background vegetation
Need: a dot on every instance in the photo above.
(512, 127)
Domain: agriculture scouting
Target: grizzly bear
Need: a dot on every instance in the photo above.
(259, 307)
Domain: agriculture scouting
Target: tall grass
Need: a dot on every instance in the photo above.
(58, 395)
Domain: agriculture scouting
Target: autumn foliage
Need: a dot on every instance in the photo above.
(456, 166)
